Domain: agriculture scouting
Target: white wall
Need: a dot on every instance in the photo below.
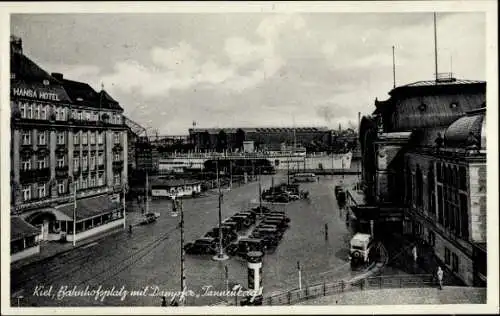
(25, 253)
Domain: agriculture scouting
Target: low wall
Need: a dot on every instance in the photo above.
(25, 253)
(96, 230)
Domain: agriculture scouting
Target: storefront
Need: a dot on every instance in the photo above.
(23, 239)
(93, 216)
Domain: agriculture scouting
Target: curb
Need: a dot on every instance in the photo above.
(82, 244)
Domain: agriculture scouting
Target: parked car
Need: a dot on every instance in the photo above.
(250, 214)
(228, 235)
(247, 220)
(245, 245)
(270, 236)
(202, 246)
(280, 223)
(149, 218)
(278, 216)
(258, 210)
(233, 225)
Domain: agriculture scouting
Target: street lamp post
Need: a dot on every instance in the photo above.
(221, 255)
(74, 210)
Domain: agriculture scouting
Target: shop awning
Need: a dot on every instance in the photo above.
(89, 207)
(20, 229)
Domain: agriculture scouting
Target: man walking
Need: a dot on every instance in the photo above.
(439, 275)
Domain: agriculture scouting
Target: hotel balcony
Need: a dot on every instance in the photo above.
(62, 172)
(101, 167)
(117, 165)
(27, 176)
(117, 147)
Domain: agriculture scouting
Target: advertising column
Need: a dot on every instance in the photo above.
(254, 259)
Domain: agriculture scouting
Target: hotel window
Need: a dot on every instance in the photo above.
(77, 184)
(29, 113)
(41, 191)
(95, 116)
(85, 162)
(76, 138)
(84, 182)
(454, 263)
(26, 164)
(43, 113)
(60, 138)
(80, 115)
(419, 188)
(101, 138)
(100, 159)
(76, 163)
(117, 138)
(116, 178)
(60, 161)
(92, 181)
(100, 180)
(462, 174)
(116, 157)
(26, 138)
(26, 193)
(447, 255)
(74, 114)
(84, 138)
(92, 138)
(41, 138)
(92, 162)
(87, 116)
(61, 188)
(42, 162)
(37, 112)
(23, 108)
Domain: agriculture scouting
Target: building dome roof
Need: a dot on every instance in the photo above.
(460, 132)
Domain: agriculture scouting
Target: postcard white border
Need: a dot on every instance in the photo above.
(490, 9)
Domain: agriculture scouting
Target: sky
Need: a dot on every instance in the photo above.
(169, 70)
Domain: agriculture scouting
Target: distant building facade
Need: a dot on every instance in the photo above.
(424, 155)
(65, 137)
(264, 138)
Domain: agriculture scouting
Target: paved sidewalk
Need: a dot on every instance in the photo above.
(449, 295)
(427, 262)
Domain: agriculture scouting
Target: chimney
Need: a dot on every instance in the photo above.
(57, 75)
(16, 45)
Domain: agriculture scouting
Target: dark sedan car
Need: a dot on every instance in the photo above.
(202, 246)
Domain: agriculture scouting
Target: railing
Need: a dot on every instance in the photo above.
(245, 155)
(325, 289)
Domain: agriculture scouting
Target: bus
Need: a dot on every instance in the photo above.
(304, 177)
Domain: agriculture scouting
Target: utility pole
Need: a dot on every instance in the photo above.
(147, 193)
(393, 68)
(221, 255)
(435, 48)
(74, 212)
(260, 195)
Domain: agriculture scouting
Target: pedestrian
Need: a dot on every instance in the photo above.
(130, 229)
(142, 210)
(439, 275)
(415, 254)
(163, 301)
(326, 231)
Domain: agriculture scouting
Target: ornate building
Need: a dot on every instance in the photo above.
(424, 158)
(65, 136)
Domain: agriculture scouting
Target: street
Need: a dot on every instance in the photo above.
(150, 255)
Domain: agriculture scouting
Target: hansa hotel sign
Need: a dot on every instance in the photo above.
(39, 93)
(35, 94)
